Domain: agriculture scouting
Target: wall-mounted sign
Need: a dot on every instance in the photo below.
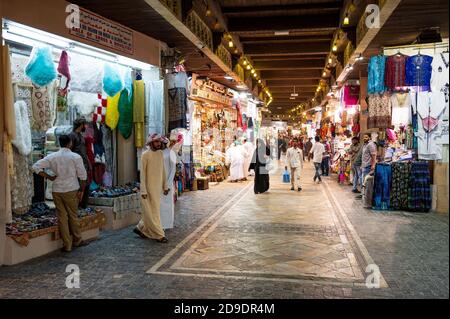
(105, 32)
(212, 91)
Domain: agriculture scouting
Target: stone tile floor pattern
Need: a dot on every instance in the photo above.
(313, 244)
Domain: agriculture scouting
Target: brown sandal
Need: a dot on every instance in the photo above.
(162, 240)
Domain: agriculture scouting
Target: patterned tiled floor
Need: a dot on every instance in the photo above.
(282, 234)
(229, 243)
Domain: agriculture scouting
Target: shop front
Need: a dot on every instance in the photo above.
(217, 122)
(54, 75)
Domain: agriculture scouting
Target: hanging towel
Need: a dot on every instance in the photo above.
(112, 111)
(126, 115)
(139, 112)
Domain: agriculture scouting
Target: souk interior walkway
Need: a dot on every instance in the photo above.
(315, 243)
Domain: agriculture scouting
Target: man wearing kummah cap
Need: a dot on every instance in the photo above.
(153, 183)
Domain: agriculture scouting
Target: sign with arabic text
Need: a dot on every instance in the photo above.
(212, 91)
(105, 32)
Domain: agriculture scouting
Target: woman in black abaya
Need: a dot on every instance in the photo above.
(258, 164)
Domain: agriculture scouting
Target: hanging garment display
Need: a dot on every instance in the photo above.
(430, 110)
(63, 69)
(379, 107)
(99, 115)
(376, 75)
(84, 102)
(351, 95)
(401, 105)
(41, 69)
(382, 186)
(99, 148)
(125, 114)
(86, 73)
(43, 103)
(395, 74)
(139, 113)
(18, 65)
(21, 184)
(107, 141)
(440, 75)
(177, 80)
(112, 111)
(154, 103)
(24, 93)
(419, 194)
(177, 108)
(401, 172)
(418, 71)
(113, 82)
(23, 132)
(239, 114)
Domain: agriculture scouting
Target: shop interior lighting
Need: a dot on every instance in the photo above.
(244, 62)
(324, 74)
(252, 71)
(19, 33)
(228, 77)
(335, 48)
(330, 60)
(249, 67)
(360, 57)
(208, 12)
(217, 25)
(230, 44)
(259, 81)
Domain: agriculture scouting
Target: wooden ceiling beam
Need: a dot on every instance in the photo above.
(290, 83)
(285, 39)
(288, 58)
(291, 74)
(333, 5)
(281, 23)
(313, 48)
(289, 65)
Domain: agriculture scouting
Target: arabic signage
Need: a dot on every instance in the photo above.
(104, 32)
(212, 91)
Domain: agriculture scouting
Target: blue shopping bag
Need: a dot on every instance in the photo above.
(286, 177)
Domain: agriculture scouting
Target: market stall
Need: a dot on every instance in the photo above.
(55, 80)
(408, 114)
(216, 123)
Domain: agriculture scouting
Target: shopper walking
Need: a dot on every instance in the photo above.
(355, 153)
(258, 164)
(69, 169)
(317, 152)
(153, 183)
(79, 147)
(308, 147)
(294, 157)
(369, 158)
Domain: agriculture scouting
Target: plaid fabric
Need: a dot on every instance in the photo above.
(100, 111)
(400, 185)
(419, 195)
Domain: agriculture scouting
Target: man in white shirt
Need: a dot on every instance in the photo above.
(317, 151)
(294, 157)
(68, 168)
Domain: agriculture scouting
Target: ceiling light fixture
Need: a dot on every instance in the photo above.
(335, 48)
(252, 71)
(346, 19)
(208, 12)
(330, 60)
(324, 74)
(282, 32)
(230, 44)
(360, 57)
(228, 77)
(248, 67)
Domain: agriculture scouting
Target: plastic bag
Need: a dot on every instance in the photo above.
(112, 80)
(40, 68)
(286, 176)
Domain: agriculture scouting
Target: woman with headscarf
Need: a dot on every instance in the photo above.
(259, 161)
(153, 183)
